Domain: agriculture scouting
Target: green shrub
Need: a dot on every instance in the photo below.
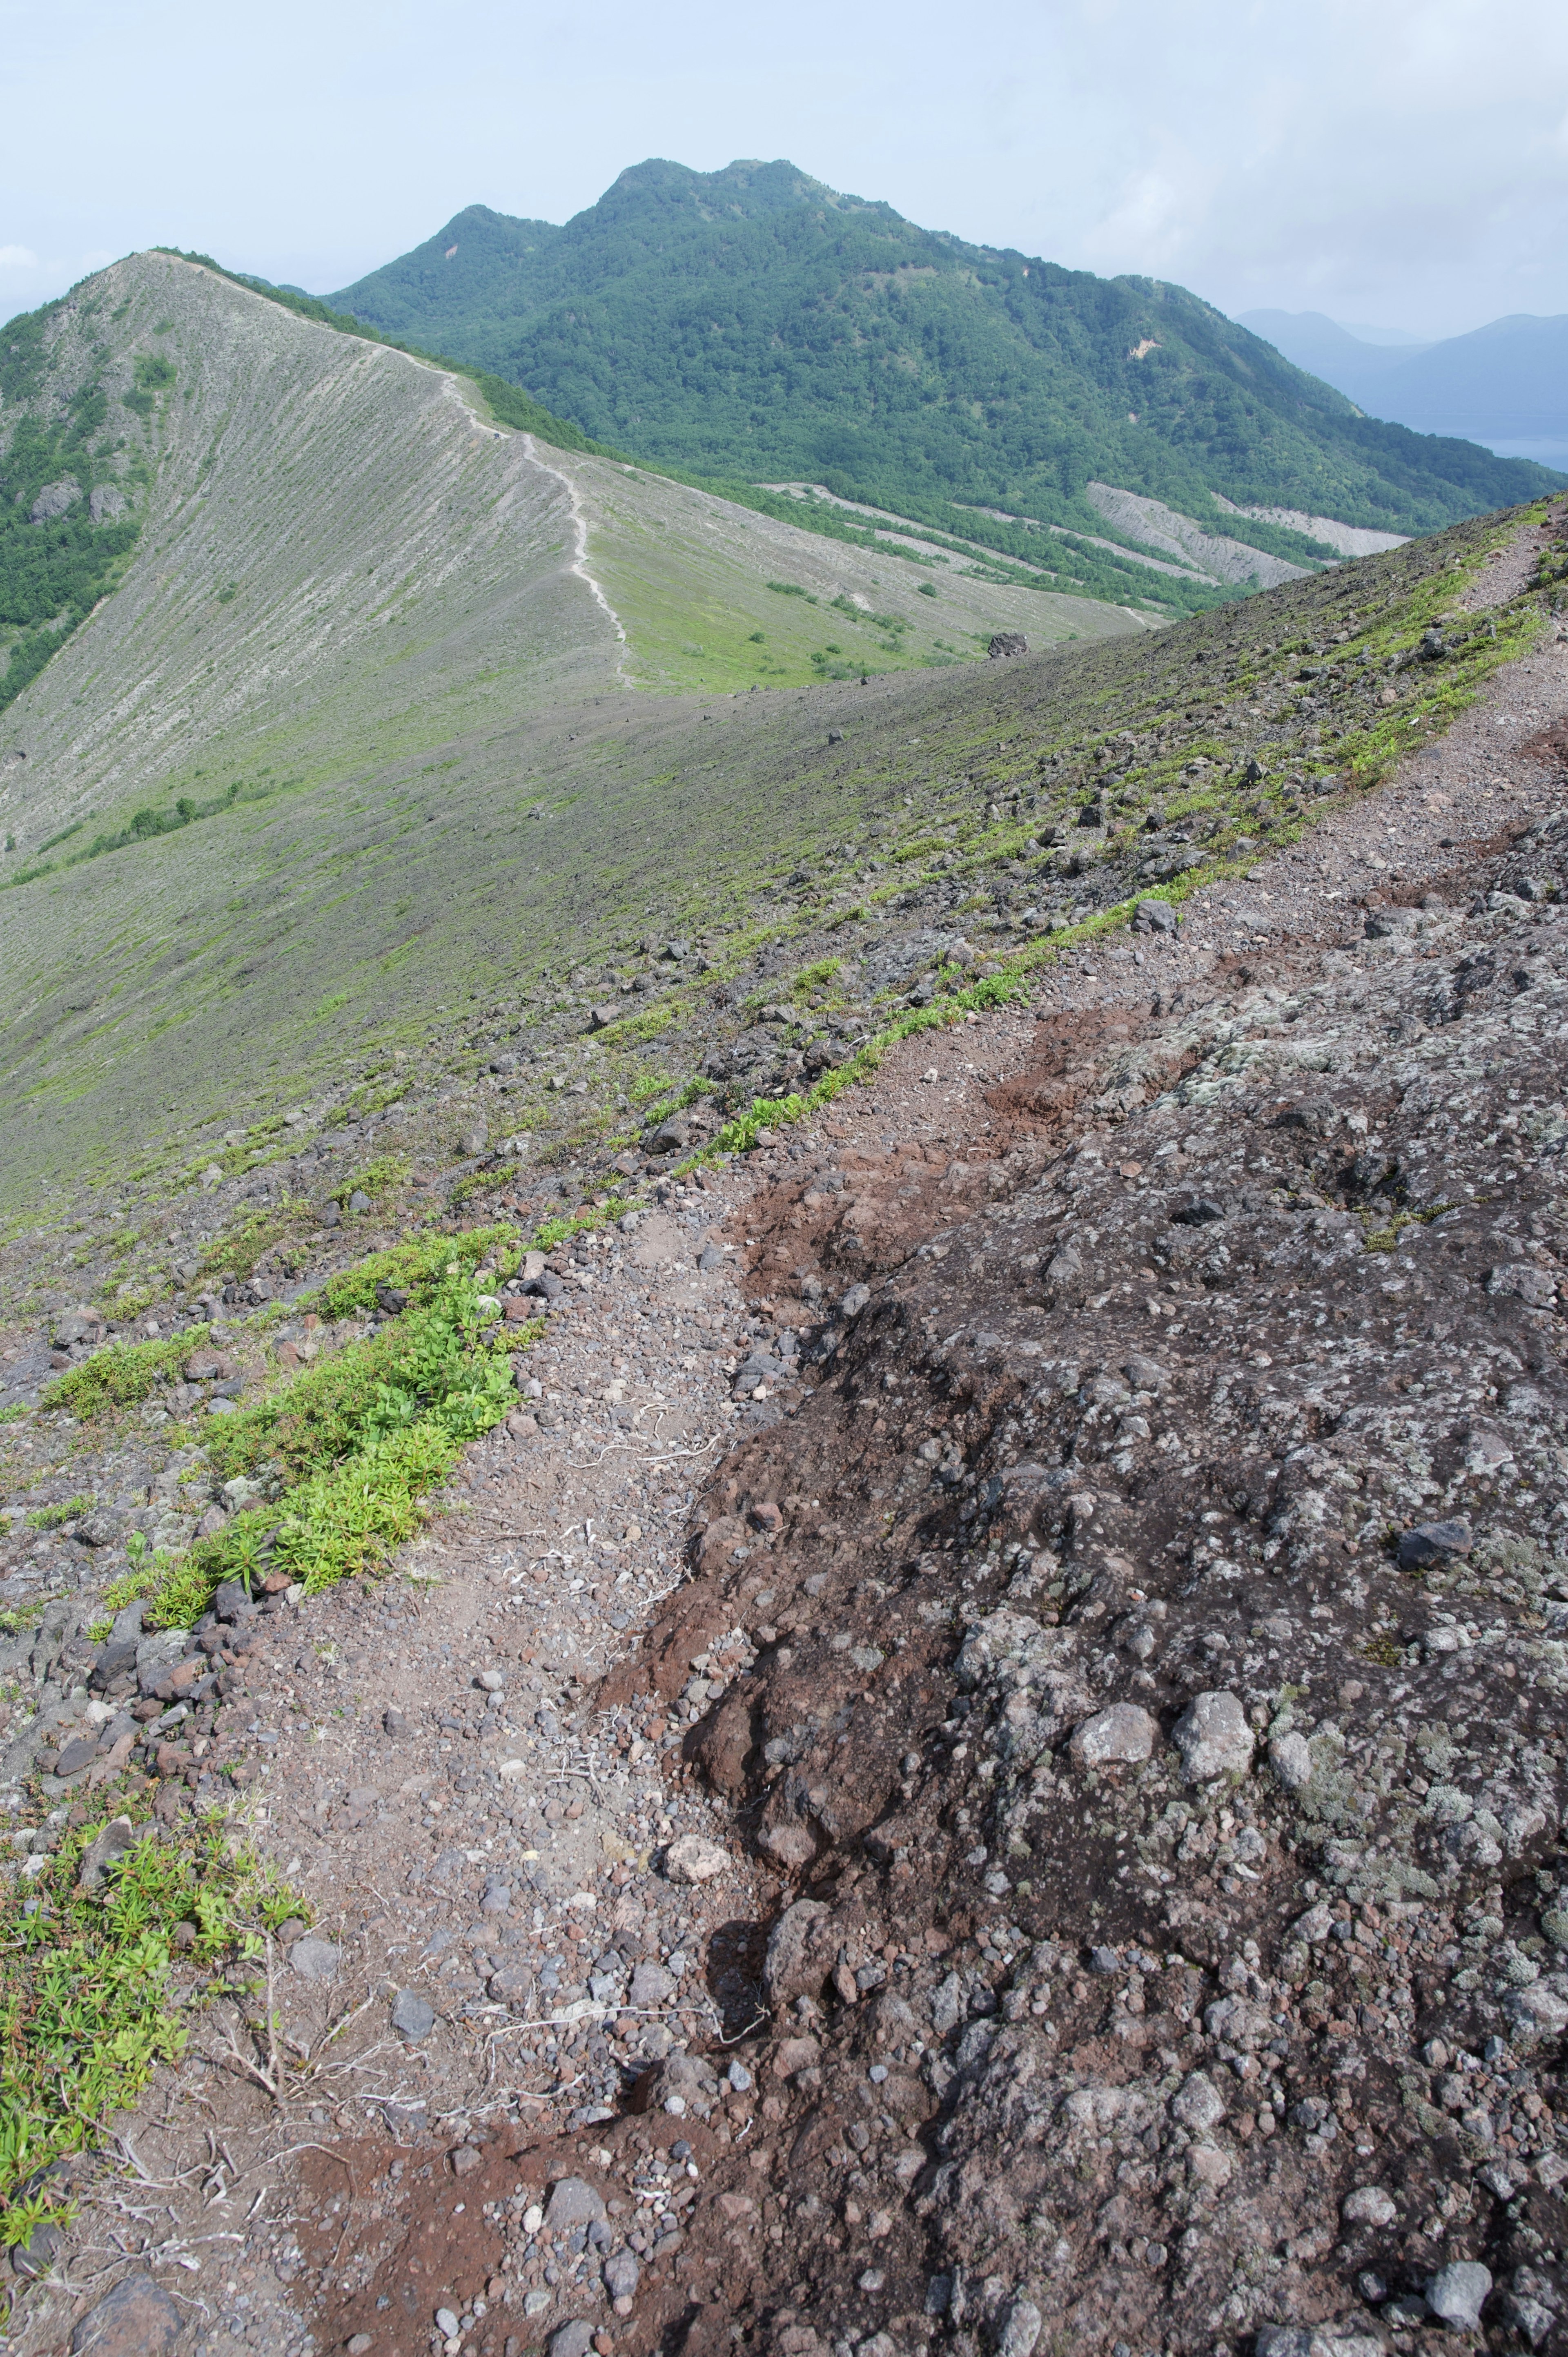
(417, 1268)
(121, 1374)
(86, 2010)
(355, 1444)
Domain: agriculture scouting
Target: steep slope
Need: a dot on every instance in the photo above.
(752, 323)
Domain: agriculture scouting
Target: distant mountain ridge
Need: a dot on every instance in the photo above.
(752, 324)
(1503, 385)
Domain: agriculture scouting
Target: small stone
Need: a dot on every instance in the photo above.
(1125, 1734)
(358, 2343)
(358, 1200)
(103, 1854)
(792, 2054)
(789, 1845)
(1430, 1542)
(651, 1984)
(393, 1721)
(1291, 1760)
(574, 2340)
(1369, 2205)
(411, 2017)
(1213, 1738)
(1020, 2330)
(1156, 916)
(34, 2257)
(1537, 2010)
(695, 1859)
(314, 1960)
(137, 2319)
(574, 2202)
(496, 1898)
(446, 2321)
(76, 1753)
(1198, 2103)
(1458, 2293)
(621, 2275)
(854, 1300)
(464, 2158)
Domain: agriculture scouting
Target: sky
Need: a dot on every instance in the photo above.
(1402, 164)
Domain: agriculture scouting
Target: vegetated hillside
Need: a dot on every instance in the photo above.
(287, 769)
(1506, 382)
(71, 474)
(412, 850)
(752, 324)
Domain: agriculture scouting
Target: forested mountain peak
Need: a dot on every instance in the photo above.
(752, 324)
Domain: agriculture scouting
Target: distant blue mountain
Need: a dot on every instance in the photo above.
(1505, 385)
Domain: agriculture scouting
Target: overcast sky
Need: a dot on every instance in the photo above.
(1403, 163)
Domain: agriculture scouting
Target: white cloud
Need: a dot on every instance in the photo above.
(17, 257)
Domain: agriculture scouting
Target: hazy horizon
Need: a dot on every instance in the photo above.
(323, 143)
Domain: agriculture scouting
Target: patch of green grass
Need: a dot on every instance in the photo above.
(121, 1375)
(380, 1179)
(88, 2006)
(241, 1246)
(17, 1617)
(353, 1446)
(814, 976)
(51, 1518)
(419, 1268)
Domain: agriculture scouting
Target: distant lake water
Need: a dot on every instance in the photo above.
(1544, 453)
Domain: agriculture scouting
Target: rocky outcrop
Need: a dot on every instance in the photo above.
(54, 500)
